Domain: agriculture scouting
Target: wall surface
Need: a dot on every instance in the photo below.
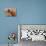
(28, 12)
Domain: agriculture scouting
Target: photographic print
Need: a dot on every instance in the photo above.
(10, 11)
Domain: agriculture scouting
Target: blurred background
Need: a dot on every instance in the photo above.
(27, 12)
